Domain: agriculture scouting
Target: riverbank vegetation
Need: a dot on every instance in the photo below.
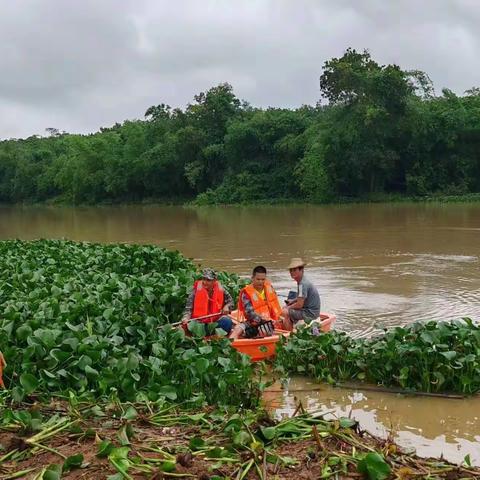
(152, 440)
(380, 132)
(100, 385)
(94, 318)
(424, 357)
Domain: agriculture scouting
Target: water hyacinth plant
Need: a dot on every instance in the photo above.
(88, 318)
(428, 357)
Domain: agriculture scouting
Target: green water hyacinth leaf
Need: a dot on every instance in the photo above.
(23, 332)
(84, 361)
(73, 461)
(119, 453)
(196, 329)
(269, 432)
(168, 467)
(124, 435)
(242, 438)
(91, 372)
(168, 392)
(130, 413)
(28, 382)
(449, 355)
(196, 443)
(55, 291)
(439, 377)
(374, 467)
(105, 448)
(224, 362)
(201, 365)
(346, 422)
(53, 472)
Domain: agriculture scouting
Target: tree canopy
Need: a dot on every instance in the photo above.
(378, 130)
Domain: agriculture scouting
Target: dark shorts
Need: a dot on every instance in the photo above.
(297, 315)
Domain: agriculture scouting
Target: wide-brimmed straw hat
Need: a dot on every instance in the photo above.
(296, 263)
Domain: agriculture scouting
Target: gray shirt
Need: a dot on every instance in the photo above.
(306, 289)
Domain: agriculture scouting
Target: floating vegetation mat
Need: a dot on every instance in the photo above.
(86, 322)
(154, 441)
(94, 319)
(431, 357)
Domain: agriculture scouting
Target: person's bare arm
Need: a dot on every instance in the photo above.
(297, 304)
(187, 312)
(228, 305)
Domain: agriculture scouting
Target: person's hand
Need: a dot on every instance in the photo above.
(278, 324)
(226, 310)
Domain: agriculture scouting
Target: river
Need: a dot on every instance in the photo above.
(375, 266)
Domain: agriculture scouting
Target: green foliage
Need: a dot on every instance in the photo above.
(383, 132)
(429, 357)
(374, 466)
(236, 444)
(312, 174)
(92, 319)
(73, 461)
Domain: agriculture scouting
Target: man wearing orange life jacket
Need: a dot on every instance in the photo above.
(210, 303)
(258, 304)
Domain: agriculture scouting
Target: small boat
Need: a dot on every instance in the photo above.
(259, 348)
(262, 348)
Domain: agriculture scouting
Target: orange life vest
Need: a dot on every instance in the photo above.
(270, 307)
(205, 305)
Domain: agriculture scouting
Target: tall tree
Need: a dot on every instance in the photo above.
(370, 101)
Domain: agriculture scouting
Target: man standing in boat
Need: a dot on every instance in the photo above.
(209, 303)
(258, 305)
(306, 304)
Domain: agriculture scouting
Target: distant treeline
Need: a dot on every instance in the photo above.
(382, 130)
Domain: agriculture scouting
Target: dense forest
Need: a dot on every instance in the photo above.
(379, 130)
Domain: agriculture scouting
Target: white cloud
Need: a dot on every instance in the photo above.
(81, 64)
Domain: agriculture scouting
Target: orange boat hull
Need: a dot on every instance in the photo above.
(262, 348)
(259, 348)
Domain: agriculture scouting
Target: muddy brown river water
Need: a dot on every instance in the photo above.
(374, 265)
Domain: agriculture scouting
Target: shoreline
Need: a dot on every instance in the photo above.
(281, 202)
(159, 440)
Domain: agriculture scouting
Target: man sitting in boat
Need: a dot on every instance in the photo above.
(209, 304)
(305, 307)
(258, 305)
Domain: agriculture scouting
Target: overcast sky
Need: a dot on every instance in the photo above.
(77, 65)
